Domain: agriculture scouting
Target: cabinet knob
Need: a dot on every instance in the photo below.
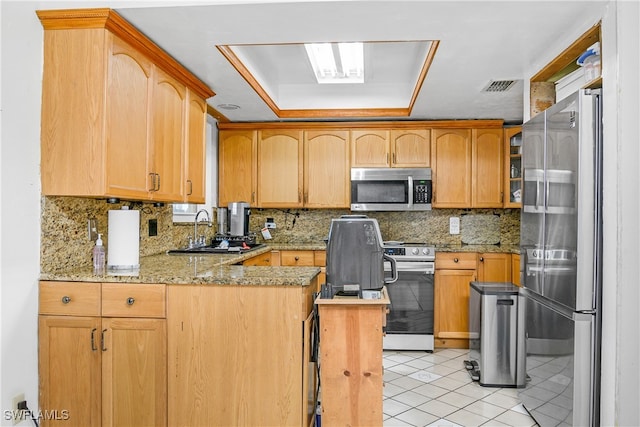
(130, 300)
(481, 259)
(455, 260)
(297, 258)
(66, 299)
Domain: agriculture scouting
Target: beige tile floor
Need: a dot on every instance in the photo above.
(434, 389)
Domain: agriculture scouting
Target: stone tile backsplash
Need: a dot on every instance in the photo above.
(65, 243)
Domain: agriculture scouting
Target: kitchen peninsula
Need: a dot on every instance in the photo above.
(192, 340)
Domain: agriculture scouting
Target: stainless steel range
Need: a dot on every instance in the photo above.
(410, 317)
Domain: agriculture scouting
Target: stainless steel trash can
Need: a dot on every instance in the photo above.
(496, 327)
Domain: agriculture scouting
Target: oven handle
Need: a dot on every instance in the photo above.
(394, 269)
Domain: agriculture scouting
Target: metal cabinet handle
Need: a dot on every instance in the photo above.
(190, 192)
(102, 340)
(93, 340)
(131, 300)
(481, 259)
(153, 181)
(66, 299)
(297, 258)
(455, 260)
(158, 188)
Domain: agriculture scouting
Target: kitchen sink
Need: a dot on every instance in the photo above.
(234, 248)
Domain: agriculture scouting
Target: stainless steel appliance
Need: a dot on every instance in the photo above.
(355, 256)
(496, 334)
(238, 217)
(561, 235)
(410, 317)
(391, 189)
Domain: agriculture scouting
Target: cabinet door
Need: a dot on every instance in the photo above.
(451, 167)
(515, 269)
(494, 267)
(280, 178)
(487, 168)
(134, 370)
(513, 167)
(69, 360)
(326, 169)
(195, 164)
(369, 148)
(127, 139)
(410, 148)
(168, 108)
(237, 151)
(451, 306)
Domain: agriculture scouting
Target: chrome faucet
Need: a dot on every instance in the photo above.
(199, 241)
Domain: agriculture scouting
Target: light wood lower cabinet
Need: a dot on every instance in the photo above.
(104, 369)
(240, 355)
(494, 267)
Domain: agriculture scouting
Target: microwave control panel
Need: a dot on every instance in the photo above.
(422, 192)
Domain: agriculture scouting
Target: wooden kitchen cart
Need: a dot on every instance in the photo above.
(351, 332)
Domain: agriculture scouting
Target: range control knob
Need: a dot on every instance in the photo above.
(425, 251)
(415, 251)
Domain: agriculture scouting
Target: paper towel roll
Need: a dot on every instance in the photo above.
(123, 251)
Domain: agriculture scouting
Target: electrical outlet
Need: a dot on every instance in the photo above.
(270, 223)
(16, 415)
(454, 225)
(92, 229)
(153, 227)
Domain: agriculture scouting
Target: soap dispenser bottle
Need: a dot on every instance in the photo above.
(99, 256)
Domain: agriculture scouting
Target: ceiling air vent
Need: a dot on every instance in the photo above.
(498, 86)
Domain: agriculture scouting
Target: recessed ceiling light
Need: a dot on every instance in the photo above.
(228, 106)
(337, 62)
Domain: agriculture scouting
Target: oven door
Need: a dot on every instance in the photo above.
(411, 309)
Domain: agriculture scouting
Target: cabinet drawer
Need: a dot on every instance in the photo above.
(320, 258)
(70, 298)
(259, 260)
(456, 260)
(296, 258)
(133, 300)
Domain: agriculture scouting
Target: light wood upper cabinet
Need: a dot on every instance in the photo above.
(410, 148)
(370, 148)
(237, 166)
(127, 143)
(486, 167)
(195, 155)
(280, 176)
(168, 113)
(467, 168)
(451, 168)
(114, 110)
(326, 169)
(512, 166)
(390, 148)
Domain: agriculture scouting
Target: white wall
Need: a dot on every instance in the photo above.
(20, 209)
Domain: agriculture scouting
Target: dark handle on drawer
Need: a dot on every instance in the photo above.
(102, 340)
(481, 259)
(455, 260)
(297, 258)
(93, 339)
(66, 299)
(131, 300)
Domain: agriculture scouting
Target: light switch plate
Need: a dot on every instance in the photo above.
(454, 225)
(92, 229)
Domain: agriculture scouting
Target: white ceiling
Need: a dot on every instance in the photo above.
(480, 41)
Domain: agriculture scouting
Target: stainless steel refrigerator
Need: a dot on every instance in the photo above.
(561, 253)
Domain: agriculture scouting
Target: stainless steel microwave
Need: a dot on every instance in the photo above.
(391, 189)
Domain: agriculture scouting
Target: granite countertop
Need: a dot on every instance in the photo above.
(213, 269)
(222, 269)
